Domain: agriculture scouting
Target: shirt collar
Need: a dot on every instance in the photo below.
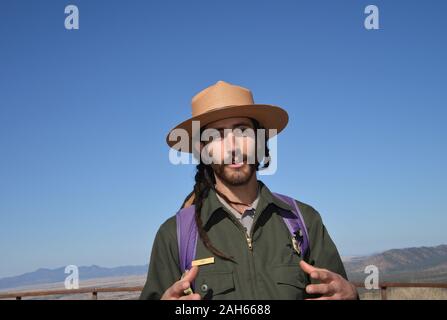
(234, 211)
(265, 197)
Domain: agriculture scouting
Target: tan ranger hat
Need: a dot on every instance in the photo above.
(224, 100)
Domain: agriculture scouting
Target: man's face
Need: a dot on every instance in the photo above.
(233, 150)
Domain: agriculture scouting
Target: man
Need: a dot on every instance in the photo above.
(242, 235)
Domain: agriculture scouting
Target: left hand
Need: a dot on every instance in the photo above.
(332, 286)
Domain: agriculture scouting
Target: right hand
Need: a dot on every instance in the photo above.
(175, 292)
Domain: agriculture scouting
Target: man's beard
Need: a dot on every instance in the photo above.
(234, 177)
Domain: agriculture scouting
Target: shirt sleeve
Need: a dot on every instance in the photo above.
(164, 268)
(323, 252)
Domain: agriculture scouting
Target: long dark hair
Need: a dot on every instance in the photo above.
(204, 182)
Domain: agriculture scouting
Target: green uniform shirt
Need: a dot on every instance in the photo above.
(269, 270)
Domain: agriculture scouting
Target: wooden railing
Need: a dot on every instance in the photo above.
(94, 291)
(384, 285)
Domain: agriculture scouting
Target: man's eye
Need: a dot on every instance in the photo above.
(246, 131)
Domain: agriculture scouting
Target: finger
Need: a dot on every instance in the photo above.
(323, 288)
(322, 275)
(307, 268)
(316, 273)
(191, 274)
(326, 275)
(176, 290)
(194, 296)
(322, 298)
(180, 286)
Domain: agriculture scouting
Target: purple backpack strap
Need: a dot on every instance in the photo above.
(187, 235)
(295, 223)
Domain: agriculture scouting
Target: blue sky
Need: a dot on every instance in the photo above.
(84, 170)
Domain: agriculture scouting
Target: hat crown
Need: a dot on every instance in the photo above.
(219, 95)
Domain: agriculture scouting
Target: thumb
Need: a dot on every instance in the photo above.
(307, 267)
(191, 274)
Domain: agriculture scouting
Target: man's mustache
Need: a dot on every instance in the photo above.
(235, 157)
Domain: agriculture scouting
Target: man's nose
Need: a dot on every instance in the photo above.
(230, 141)
(233, 141)
(233, 145)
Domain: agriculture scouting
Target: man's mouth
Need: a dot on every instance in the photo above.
(235, 165)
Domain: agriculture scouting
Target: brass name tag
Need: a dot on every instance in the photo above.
(202, 262)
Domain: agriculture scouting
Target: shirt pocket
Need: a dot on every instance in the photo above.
(290, 282)
(215, 285)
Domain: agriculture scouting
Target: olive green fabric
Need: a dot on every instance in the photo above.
(270, 270)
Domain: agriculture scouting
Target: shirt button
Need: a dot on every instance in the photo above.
(204, 287)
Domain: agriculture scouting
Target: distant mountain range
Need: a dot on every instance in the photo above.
(44, 276)
(423, 264)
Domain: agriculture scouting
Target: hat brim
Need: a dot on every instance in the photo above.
(269, 116)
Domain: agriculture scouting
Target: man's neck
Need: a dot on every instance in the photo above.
(246, 193)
